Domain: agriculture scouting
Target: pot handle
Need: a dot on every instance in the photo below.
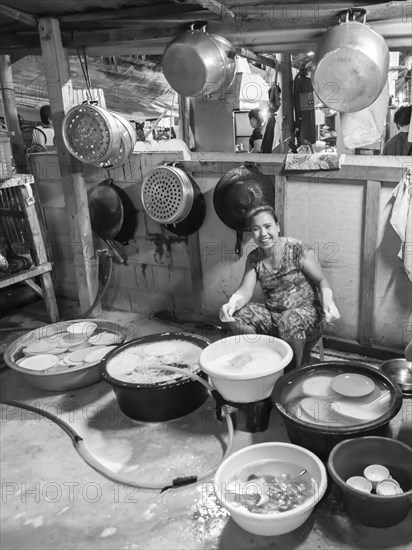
(238, 246)
(350, 14)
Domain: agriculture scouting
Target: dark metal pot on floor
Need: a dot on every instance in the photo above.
(321, 437)
(155, 401)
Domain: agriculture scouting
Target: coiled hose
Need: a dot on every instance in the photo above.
(91, 460)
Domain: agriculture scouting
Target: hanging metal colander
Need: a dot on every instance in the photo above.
(127, 143)
(167, 194)
(91, 134)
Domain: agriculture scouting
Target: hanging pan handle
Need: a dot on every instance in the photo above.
(239, 240)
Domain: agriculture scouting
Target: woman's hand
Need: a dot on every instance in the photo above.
(331, 311)
(226, 313)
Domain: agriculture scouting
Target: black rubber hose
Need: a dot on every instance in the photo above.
(91, 460)
(106, 280)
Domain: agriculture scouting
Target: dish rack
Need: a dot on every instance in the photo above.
(22, 240)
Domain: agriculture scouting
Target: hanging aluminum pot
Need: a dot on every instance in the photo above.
(171, 197)
(350, 66)
(236, 192)
(197, 64)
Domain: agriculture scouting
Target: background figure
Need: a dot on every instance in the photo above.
(399, 144)
(256, 121)
(268, 141)
(46, 126)
(140, 131)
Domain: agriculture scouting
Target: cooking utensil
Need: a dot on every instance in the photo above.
(127, 142)
(171, 197)
(112, 213)
(156, 402)
(237, 191)
(91, 134)
(400, 372)
(198, 64)
(321, 437)
(350, 65)
(106, 210)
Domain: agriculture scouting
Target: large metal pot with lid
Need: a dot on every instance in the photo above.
(350, 66)
(198, 64)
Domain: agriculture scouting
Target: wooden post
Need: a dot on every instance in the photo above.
(10, 114)
(368, 265)
(286, 83)
(184, 115)
(56, 67)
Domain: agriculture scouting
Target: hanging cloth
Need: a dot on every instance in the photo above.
(401, 220)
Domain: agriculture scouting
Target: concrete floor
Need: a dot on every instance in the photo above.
(52, 499)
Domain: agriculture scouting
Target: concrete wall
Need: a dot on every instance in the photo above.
(329, 216)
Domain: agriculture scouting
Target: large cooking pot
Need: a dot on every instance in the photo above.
(149, 393)
(198, 64)
(350, 66)
(318, 412)
(236, 192)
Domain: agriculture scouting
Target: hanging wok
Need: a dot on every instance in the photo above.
(112, 213)
(236, 192)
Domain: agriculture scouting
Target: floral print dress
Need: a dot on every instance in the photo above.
(291, 308)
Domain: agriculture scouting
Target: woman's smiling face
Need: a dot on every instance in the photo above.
(265, 230)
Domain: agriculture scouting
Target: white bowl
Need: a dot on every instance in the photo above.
(273, 523)
(241, 386)
(82, 330)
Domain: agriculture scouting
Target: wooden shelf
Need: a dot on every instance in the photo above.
(21, 184)
(34, 271)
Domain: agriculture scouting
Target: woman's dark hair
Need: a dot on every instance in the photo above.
(257, 115)
(45, 114)
(402, 117)
(255, 210)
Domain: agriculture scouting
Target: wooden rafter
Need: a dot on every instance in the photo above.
(216, 7)
(18, 15)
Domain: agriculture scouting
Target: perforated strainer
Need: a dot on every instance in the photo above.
(91, 133)
(167, 194)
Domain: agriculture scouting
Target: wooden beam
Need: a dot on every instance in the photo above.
(354, 167)
(57, 71)
(257, 58)
(127, 13)
(10, 114)
(184, 115)
(286, 85)
(350, 346)
(17, 15)
(368, 263)
(216, 7)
